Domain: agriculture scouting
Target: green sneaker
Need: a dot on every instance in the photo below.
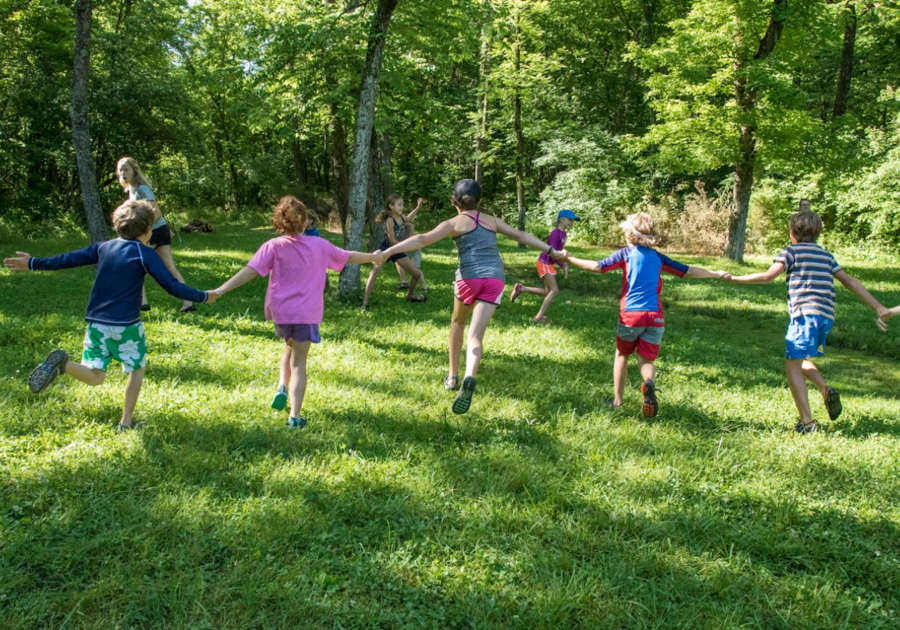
(280, 400)
(296, 423)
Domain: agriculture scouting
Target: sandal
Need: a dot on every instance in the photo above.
(416, 298)
(833, 404)
(46, 372)
(464, 398)
(806, 428)
(447, 383)
(188, 309)
(651, 405)
(516, 292)
(403, 286)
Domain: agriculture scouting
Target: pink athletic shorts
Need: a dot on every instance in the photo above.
(483, 289)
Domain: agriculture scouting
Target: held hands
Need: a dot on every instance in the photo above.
(724, 275)
(212, 296)
(560, 256)
(380, 258)
(884, 314)
(19, 263)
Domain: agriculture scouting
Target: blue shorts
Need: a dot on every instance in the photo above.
(806, 336)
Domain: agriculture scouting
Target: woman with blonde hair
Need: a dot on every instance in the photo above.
(136, 184)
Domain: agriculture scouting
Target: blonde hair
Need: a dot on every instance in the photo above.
(139, 179)
(388, 211)
(133, 219)
(290, 215)
(638, 230)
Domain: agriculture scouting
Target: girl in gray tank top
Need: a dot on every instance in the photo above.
(479, 279)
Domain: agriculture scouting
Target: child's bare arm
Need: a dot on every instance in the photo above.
(583, 263)
(856, 288)
(412, 215)
(419, 241)
(522, 237)
(243, 276)
(763, 277)
(359, 258)
(700, 272)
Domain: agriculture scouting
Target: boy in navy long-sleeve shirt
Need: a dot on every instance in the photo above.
(114, 329)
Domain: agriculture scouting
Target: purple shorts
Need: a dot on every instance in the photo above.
(298, 332)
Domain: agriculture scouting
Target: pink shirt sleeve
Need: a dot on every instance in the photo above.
(337, 257)
(262, 260)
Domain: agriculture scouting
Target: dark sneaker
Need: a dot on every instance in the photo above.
(451, 383)
(833, 404)
(464, 398)
(651, 406)
(145, 307)
(134, 426)
(296, 423)
(46, 372)
(416, 298)
(280, 400)
(805, 428)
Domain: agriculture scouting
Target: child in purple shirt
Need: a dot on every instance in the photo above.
(295, 303)
(546, 266)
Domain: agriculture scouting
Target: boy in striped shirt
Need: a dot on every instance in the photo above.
(810, 282)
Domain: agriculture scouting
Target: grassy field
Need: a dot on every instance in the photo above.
(537, 509)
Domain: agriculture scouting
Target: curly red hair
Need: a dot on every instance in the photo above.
(290, 216)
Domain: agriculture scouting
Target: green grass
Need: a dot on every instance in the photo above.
(537, 509)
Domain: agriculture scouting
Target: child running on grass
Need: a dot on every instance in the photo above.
(547, 269)
(641, 320)
(114, 329)
(136, 184)
(479, 278)
(296, 266)
(394, 232)
(811, 270)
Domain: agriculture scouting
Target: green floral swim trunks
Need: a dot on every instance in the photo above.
(125, 344)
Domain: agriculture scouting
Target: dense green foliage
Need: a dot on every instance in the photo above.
(538, 509)
(230, 104)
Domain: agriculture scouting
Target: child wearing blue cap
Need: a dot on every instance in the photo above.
(546, 266)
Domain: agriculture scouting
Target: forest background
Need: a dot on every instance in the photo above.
(601, 106)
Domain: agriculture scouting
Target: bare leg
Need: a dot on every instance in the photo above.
(481, 317)
(648, 369)
(533, 290)
(370, 283)
(143, 295)
(552, 289)
(165, 252)
(793, 368)
(415, 274)
(457, 331)
(298, 375)
(812, 374)
(620, 377)
(285, 371)
(400, 272)
(132, 392)
(89, 376)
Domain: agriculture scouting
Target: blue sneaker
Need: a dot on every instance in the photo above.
(280, 400)
(296, 423)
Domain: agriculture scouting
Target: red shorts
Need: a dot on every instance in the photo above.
(642, 332)
(482, 289)
(543, 269)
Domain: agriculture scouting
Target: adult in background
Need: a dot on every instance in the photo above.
(137, 186)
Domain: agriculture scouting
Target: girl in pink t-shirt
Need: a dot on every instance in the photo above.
(296, 266)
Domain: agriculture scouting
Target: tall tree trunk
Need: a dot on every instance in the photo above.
(387, 164)
(746, 97)
(377, 194)
(520, 137)
(299, 165)
(365, 120)
(481, 139)
(340, 169)
(81, 134)
(847, 53)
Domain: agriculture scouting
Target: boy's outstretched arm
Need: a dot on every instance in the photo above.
(700, 272)
(243, 276)
(764, 277)
(23, 261)
(856, 287)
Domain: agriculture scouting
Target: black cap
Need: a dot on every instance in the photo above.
(467, 187)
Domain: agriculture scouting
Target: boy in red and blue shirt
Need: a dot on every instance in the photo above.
(641, 320)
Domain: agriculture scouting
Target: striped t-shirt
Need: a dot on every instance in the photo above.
(810, 279)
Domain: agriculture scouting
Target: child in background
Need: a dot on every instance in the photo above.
(311, 229)
(547, 269)
(811, 270)
(294, 298)
(394, 232)
(114, 329)
(641, 320)
(479, 278)
(416, 255)
(132, 179)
